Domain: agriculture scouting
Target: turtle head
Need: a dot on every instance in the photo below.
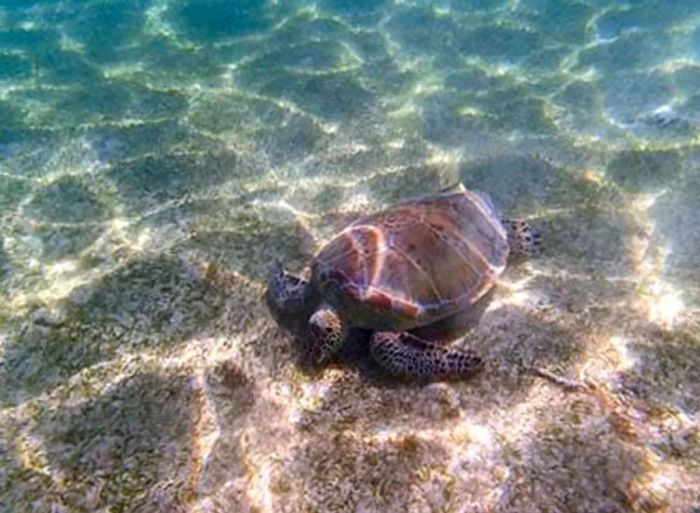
(327, 332)
(291, 299)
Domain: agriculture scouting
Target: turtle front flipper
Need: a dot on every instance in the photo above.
(523, 240)
(405, 355)
(291, 299)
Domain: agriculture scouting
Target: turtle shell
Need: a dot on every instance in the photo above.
(415, 263)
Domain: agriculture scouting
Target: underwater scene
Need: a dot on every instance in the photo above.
(158, 158)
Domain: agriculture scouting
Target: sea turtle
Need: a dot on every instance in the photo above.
(422, 263)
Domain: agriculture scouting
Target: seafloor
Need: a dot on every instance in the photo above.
(157, 156)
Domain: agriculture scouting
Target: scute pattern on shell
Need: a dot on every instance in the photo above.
(419, 261)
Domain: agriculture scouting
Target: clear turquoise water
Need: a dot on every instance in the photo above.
(156, 156)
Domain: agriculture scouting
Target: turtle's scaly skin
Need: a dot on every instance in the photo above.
(406, 355)
(422, 263)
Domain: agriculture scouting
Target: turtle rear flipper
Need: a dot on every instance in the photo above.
(524, 242)
(405, 355)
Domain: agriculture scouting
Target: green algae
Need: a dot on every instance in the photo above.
(14, 67)
(580, 95)
(155, 179)
(420, 29)
(413, 180)
(120, 23)
(132, 307)
(667, 368)
(116, 447)
(633, 50)
(645, 170)
(243, 241)
(67, 200)
(4, 261)
(499, 42)
(214, 19)
(12, 190)
(562, 21)
(578, 451)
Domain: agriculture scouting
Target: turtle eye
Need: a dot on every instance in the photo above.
(321, 331)
(318, 330)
